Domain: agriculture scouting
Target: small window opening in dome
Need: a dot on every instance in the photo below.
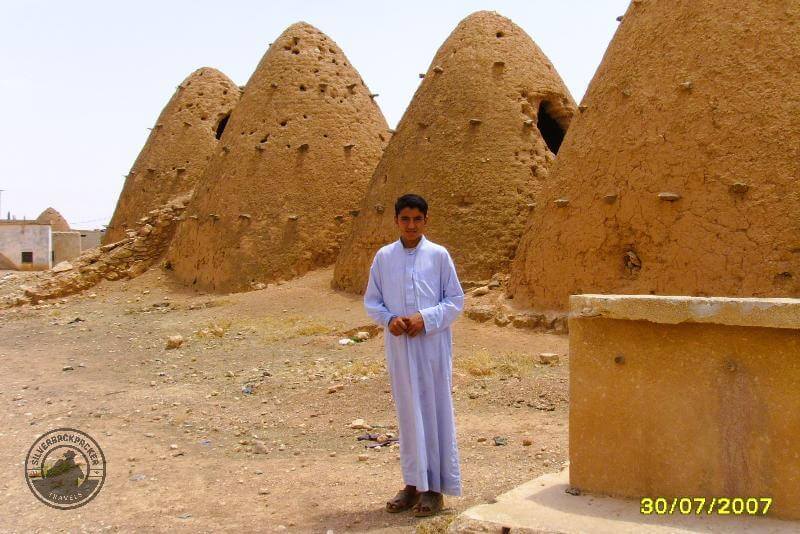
(551, 131)
(221, 126)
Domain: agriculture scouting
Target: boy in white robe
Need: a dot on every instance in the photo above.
(414, 292)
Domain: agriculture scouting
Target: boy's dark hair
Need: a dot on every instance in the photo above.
(410, 201)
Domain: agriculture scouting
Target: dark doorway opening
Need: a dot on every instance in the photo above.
(222, 124)
(551, 131)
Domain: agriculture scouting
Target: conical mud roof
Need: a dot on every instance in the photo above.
(680, 177)
(472, 142)
(178, 148)
(280, 193)
(54, 219)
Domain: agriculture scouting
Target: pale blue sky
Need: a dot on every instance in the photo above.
(83, 80)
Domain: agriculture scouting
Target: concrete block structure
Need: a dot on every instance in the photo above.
(91, 238)
(686, 396)
(25, 245)
(66, 246)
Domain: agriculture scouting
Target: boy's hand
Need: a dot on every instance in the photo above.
(415, 324)
(398, 325)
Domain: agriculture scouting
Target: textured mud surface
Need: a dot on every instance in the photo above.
(471, 142)
(54, 219)
(283, 187)
(680, 176)
(178, 148)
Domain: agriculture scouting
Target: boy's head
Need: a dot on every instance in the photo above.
(411, 215)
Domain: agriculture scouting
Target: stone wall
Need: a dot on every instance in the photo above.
(144, 244)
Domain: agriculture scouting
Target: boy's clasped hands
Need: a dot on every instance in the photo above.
(410, 325)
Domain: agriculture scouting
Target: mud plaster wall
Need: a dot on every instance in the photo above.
(698, 102)
(688, 409)
(54, 219)
(470, 145)
(292, 167)
(66, 245)
(177, 150)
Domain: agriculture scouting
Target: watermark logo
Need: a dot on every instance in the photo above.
(65, 468)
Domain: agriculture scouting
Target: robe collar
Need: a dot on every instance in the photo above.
(422, 241)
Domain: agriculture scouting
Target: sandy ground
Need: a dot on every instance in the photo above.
(178, 432)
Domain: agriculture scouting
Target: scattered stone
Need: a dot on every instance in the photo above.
(346, 341)
(363, 457)
(572, 490)
(481, 313)
(480, 291)
(361, 336)
(501, 319)
(63, 267)
(335, 388)
(173, 342)
(360, 424)
(259, 447)
(548, 358)
(481, 439)
(68, 368)
(500, 440)
(527, 442)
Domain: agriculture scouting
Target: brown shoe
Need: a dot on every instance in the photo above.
(405, 499)
(430, 503)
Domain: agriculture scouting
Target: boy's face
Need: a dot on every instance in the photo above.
(411, 223)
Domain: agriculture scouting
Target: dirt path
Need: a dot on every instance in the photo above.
(179, 432)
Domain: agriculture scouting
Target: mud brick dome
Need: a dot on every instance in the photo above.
(280, 193)
(54, 219)
(680, 176)
(476, 141)
(178, 148)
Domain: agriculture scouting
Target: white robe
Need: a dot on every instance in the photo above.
(401, 282)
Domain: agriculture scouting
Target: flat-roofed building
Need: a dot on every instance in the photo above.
(26, 245)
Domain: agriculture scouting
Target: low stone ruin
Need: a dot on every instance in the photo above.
(124, 259)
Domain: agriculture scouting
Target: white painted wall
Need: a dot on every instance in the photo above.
(16, 238)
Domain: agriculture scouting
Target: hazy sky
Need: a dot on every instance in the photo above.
(83, 80)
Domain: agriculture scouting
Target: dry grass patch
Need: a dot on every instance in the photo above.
(488, 363)
(281, 328)
(357, 369)
(437, 525)
(214, 329)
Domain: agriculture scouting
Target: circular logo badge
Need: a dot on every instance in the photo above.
(65, 468)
